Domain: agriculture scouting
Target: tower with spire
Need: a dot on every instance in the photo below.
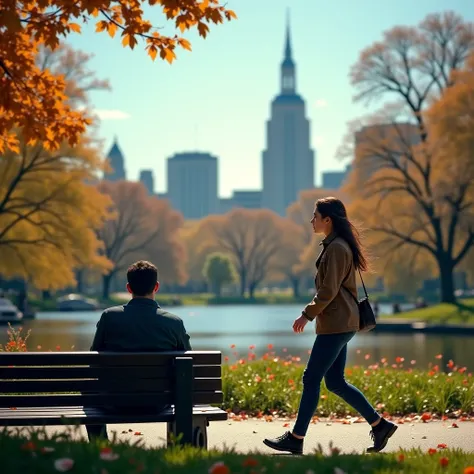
(288, 160)
(116, 162)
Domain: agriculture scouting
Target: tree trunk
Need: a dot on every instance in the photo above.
(295, 283)
(80, 281)
(106, 280)
(243, 283)
(252, 288)
(217, 289)
(446, 277)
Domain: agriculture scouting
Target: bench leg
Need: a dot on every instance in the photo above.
(199, 438)
(200, 425)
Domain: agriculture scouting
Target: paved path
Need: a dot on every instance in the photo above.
(246, 436)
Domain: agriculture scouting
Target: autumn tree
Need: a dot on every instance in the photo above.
(46, 196)
(252, 238)
(218, 271)
(143, 227)
(49, 215)
(199, 242)
(412, 182)
(34, 100)
(287, 264)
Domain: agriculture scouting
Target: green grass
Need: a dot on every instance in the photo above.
(273, 384)
(37, 453)
(461, 312)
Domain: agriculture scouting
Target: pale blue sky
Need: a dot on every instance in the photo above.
(217, 98)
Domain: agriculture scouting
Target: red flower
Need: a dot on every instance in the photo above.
(249, 462)
(29, 446)
(443, 462)
(401, 457)
(399, 360)
(442, 446)
(270, 347)
(469, 470)
(432, 451)
(219, 468)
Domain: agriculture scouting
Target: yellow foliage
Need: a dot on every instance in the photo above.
(49, 214)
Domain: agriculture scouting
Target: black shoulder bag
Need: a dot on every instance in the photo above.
(367, 320)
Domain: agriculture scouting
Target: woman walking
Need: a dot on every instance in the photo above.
(337, 320)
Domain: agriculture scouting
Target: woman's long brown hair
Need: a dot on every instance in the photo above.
(334, 209)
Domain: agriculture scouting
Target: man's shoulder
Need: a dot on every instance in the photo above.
(114, 309)
(169, 316)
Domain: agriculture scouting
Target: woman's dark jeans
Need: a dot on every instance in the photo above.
(328, 360)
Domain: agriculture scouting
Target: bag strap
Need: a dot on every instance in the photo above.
(363, 284)
(347, 289)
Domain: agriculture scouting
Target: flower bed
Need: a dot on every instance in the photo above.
(272, 385)
(38, 454)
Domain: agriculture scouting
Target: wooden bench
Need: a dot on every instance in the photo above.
(57, 388)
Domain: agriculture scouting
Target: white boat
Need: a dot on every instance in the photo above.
(9, 313)
(75, 302)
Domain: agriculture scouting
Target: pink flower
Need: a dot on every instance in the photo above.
(106, 454)
(63, 464)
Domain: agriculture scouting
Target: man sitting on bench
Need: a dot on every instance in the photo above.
(138, 326)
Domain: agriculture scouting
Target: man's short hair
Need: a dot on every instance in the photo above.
(142, 277)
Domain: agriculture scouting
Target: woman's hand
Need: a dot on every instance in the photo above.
(299, 324)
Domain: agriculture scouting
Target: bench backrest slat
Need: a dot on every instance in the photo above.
(105, 379)
(106, 358)
(78, 372)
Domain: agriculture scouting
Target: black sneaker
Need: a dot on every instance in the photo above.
(286, 442)
(381, 434)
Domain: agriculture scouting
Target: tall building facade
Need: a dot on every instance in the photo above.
(116, 162)
(146, 178)
(192, 184)
(288, 160)
(335, 179)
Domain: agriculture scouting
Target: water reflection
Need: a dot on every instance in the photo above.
(217, 328)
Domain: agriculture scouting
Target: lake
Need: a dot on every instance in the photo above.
(219, 327)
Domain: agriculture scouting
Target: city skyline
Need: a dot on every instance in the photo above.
(156, 113)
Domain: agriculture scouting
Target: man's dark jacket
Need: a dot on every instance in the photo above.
(140, 326)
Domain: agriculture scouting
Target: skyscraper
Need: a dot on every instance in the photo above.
(116, 162)
(192, 184)
(146, 178)
(288, 161)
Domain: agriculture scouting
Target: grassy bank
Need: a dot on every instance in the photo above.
(462, 312)
(272, 384)
(40, 454)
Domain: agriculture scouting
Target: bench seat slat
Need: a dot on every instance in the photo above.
(121, 399)
(109, 359)
(57, 416)
(103, 385)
